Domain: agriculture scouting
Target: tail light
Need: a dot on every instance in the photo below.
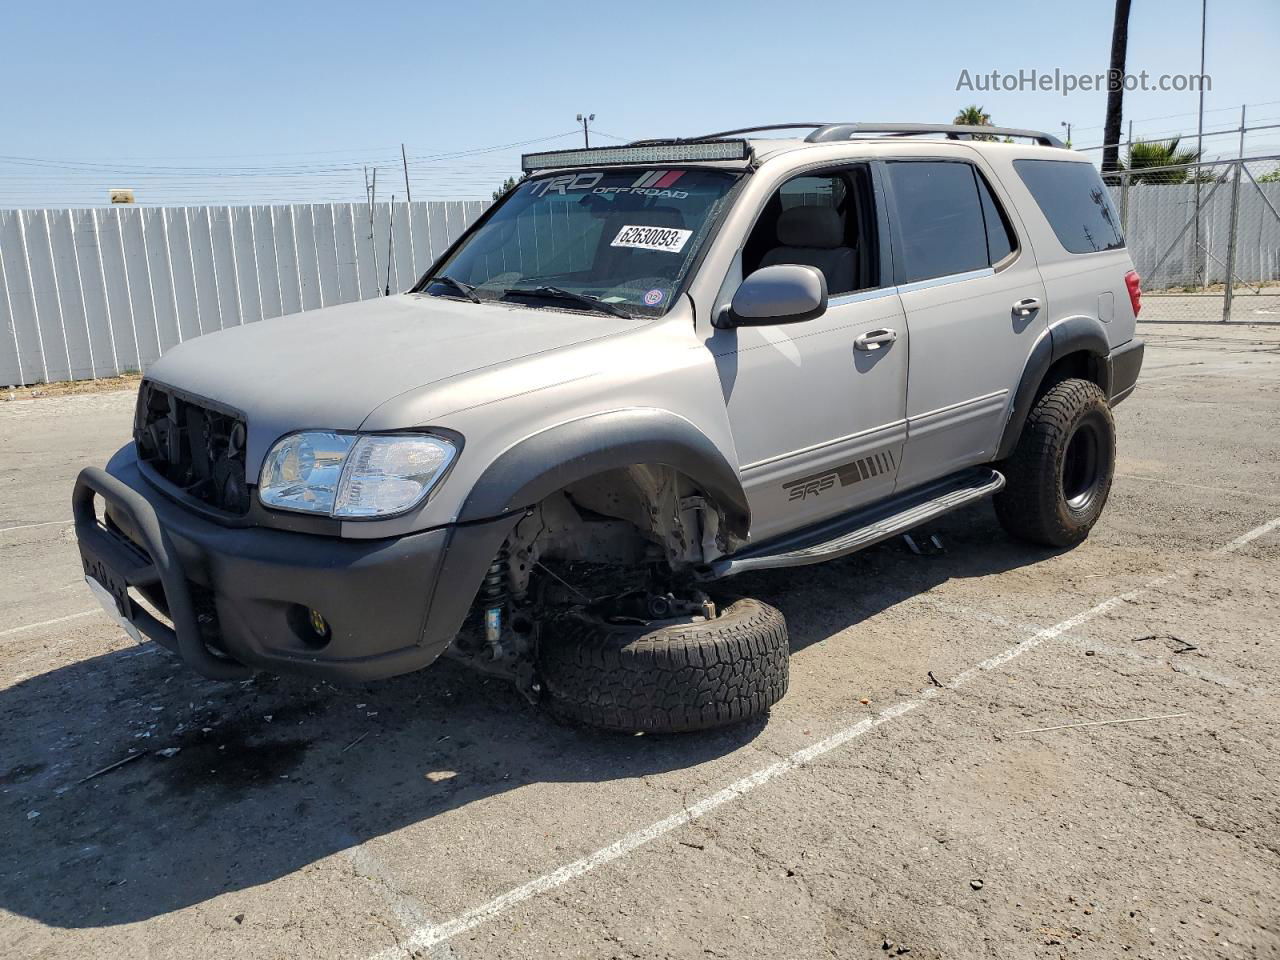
(1134, 283)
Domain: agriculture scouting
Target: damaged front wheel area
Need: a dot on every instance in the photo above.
(624, 673)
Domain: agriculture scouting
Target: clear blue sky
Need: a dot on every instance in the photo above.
(284, 100)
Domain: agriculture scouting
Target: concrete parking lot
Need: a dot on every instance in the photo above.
(893, 801)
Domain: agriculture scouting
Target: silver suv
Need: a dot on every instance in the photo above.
(643, 370)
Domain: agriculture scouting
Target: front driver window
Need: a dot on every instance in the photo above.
(821, 220)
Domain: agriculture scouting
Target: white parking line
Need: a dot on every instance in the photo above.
(1197, 486)
(428, 936)
(1232, 374)
(1186, 668)
(404, 908)
(43, 523)
(48, 623)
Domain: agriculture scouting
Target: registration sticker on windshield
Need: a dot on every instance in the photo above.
(665, 239)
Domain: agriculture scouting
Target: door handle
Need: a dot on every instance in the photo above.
(875, 339)
(1026, 306)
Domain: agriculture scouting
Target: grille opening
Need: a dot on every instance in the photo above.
(196, 448)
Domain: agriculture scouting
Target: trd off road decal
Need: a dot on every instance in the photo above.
(855, 472)
(564, 183)
(665, 239)
(651, 183)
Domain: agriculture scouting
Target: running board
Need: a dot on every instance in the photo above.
(862, 528)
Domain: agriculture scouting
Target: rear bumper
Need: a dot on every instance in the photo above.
(391, 605)
(1126, 364)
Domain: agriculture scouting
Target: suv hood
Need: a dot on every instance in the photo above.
(330, 368)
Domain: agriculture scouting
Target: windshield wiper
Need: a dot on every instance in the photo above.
(559, 293)
(468, 290)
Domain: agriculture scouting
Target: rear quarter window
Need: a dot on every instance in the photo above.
(1076, 203)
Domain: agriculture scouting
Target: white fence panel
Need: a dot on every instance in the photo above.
(99, 292)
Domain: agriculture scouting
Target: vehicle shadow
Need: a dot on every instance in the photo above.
(824, 598)
(273, 774)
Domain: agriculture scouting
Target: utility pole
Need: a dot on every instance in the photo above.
(1199, 270)
(582, 119)
(405, 160)
(1228, 292)
(1204, 12)
(391, 225)
(373, 246)
(1068, 126)
(408, 199)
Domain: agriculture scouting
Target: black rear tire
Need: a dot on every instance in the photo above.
(666, 679)
(1059, 476)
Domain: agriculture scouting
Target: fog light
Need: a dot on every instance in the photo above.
(318, 623)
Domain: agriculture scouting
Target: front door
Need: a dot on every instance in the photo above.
(817, 408)
(975, 304)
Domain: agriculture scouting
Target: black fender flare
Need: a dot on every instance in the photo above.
(552, 459)
(1072, 335)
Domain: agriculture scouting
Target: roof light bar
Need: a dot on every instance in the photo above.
(655, 153)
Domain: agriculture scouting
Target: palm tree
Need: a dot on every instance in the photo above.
(1146, 154)
(974, 116)
(1115, 88)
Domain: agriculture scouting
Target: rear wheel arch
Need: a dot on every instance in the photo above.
(1074, 348)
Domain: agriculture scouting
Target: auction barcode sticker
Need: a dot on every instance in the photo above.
(666, 239)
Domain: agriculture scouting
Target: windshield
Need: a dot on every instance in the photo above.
(624, 238)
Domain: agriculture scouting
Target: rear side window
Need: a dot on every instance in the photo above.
(1000, 239)
(1075, 202)
(947, 221)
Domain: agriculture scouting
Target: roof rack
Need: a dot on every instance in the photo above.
(827, 132)
(733, 133)
(953, 131)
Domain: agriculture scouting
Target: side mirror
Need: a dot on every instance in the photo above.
(785, 293)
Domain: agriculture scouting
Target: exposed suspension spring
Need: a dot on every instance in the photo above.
(493, 597)
(493, 589)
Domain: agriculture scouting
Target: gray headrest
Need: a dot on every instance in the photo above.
(811, 227)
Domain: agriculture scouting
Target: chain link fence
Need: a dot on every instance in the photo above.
(1205, 238)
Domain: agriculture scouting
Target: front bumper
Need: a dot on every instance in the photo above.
(240, 597)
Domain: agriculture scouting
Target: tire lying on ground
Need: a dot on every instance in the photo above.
(666, 678)
(1059, 475)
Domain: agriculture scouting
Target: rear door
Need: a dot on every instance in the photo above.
(974, 302)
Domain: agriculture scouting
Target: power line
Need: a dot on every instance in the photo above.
(1178, 116)
(449, 174)
(278, 169)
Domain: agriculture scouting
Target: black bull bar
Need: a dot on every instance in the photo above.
(117, 563)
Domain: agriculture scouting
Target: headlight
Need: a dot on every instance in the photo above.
(302, 471)
(390, 474)
(347, 476)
